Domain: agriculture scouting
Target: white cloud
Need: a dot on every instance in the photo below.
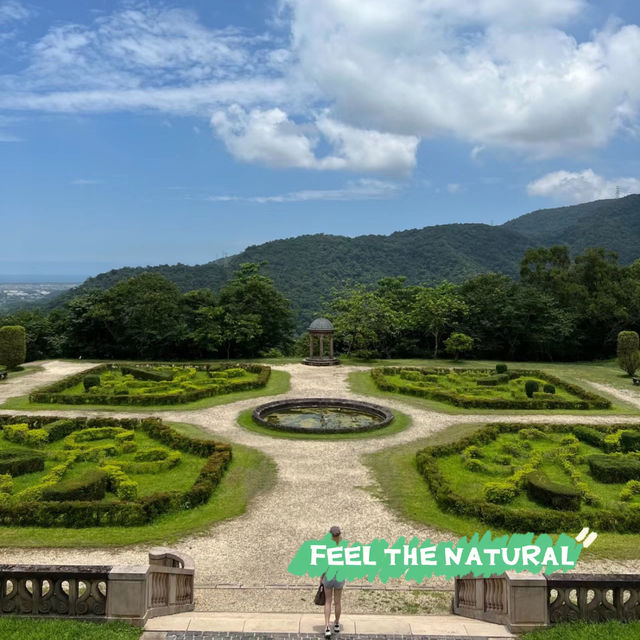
(271, 138)
(365, 189)
(13, 11)
(454, 187)
(366, 80)
(489, 72)
(584, 186)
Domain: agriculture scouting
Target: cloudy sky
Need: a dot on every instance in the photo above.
(158, 132)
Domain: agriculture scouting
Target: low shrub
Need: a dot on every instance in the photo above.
(36, 438)
(15, 432)
(493, 381)
(630, 441)
(151, 375)
(472, 451)
(552, 494)
(614, 468)
(120, 483)
(91, 486)
(531, 434)
(6, 483)
(549, 388)
(151, 455)
(501, 368)
(500, 492)
(629, 490)
(58, 429)
(90, 381)
(476, 466)
(589, 435)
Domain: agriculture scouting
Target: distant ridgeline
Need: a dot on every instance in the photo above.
(306, 268)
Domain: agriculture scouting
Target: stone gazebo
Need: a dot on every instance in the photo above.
(320, 329)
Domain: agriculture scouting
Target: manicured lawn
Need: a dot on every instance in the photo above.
(278, 383)
(581, 374)
(400, 422)
(400, 485)
(25, 629)
(249, 474)
(588, 631)
(22, 371)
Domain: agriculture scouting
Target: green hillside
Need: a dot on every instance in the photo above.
(306, 268)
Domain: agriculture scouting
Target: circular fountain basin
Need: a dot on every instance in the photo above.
(322, 415)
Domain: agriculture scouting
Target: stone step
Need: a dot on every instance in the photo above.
(297, 626)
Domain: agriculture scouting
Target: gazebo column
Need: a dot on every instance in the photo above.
(311, 345)
(321, 346)
(331, 347)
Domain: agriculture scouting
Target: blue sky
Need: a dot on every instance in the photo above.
(136, 133)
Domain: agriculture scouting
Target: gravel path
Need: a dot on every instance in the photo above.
(632, 397)
(320, 483)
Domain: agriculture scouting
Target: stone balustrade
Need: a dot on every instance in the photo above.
(129, 593)
(523, 601)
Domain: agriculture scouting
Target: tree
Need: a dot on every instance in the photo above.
(458, 343)
(364, 322)
(255, 316)
(13, 346)
(437, 310)
(628, 351)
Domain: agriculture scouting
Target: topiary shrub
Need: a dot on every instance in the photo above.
(632, 488)
(531, 387)
(91, 380)
(501, 368)
(13, 346)
(500, 492)
(552, 494)
(549, 388)
(628, 351)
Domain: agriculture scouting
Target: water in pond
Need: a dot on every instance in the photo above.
(319, 418)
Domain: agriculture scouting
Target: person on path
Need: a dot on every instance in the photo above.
(333, 591)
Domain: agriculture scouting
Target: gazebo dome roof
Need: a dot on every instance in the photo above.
(321, 324)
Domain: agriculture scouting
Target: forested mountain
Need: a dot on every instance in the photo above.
(306, 268)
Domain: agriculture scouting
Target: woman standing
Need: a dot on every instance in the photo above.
(333, 591)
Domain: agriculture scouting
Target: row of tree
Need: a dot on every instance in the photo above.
(147, 317)
(560, 309)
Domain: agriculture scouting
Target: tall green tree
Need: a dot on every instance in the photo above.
(438, 310)
(255, 316)
(628, 351)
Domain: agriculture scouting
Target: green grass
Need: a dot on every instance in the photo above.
(400, 422)
(577, 373)
(588, 631)
(404, 490)
(28, 629)
(249, 474)
(278, 383)
(21, 371)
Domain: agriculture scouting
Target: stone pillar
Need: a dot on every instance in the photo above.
(331, 346)
(527, 601)
(127, 591)
(311, 345)
(321, 354)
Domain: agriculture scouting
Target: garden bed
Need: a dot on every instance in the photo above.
(151, 384)
(488, 388)
(80, 472)
(547, 478)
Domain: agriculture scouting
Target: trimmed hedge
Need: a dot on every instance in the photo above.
(82, 513)
(146, 374)
(91, 486)
(521, 520)
(13, 346)
(614, 468)
(630, 441)
(54, 393)
(552, 494)
(90, 381)
(17, 462)
(587, 399)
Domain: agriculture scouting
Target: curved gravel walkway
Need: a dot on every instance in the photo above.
(320, 483)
